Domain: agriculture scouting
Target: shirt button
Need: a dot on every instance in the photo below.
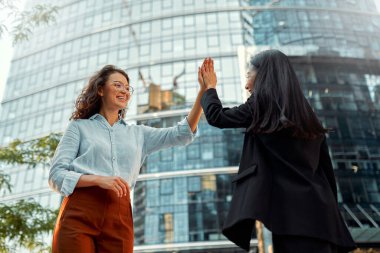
(114, 158)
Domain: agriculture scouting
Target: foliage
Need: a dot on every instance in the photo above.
(25, 222)
(25, 21)
(5, 182)
(32, 153)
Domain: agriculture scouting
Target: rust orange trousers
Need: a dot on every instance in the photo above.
(94, 220)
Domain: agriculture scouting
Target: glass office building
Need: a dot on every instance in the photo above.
(183, 193)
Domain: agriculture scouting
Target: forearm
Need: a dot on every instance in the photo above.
(196, 112)
(87, 181)
(225, 117)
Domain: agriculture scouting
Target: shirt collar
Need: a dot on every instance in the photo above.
(94, 116)
(97, 115)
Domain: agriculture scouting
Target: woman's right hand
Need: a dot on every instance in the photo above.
(116, 184)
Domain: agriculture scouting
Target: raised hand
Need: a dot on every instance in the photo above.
(208, 73)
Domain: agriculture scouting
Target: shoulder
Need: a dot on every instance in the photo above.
(83, 125)
(79, 122)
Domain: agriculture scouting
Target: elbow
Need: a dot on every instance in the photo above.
(213, 116)
(52, 181)
(189, 140)
(185, 140)
(212, 122)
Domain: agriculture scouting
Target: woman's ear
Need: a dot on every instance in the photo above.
(100, 91)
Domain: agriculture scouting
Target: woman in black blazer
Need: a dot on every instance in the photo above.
(285, 177)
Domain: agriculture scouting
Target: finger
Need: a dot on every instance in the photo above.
(206, 65)
(203, 68)
(210, 66)
(116, 190)
(125, 182)
(125, 186)
(200, 78)
(119, 189)
(204, 62)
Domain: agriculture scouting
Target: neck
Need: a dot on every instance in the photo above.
(111, 116)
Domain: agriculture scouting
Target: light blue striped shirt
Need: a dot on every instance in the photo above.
(94, 147)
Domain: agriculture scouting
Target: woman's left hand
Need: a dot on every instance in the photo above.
(208, 73)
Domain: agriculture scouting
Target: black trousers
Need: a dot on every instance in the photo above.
(302, 244)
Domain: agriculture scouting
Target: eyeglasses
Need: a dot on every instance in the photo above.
(120, 87)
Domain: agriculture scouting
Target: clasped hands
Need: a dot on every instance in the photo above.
(206, 75)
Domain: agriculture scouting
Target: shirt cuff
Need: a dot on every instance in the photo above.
(185, 129)
(69, 182)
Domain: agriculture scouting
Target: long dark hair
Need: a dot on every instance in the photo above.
(277, 100)
(88, 102)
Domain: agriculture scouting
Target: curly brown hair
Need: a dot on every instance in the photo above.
(88, 102)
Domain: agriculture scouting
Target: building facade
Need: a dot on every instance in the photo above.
(183, 193)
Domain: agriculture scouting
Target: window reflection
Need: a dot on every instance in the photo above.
(197, 214)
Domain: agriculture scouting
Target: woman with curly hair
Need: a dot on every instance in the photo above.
(97, 162)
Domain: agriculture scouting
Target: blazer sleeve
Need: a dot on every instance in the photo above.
(327, 168)
(217, 116)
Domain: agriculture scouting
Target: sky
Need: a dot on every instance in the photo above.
(6, 49)
(6, 52)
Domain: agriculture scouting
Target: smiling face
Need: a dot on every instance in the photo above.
(115, 93)
(251, 76)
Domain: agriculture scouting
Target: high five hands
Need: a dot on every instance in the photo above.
(206, 74)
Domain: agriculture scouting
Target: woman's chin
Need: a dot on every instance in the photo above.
(122, 105)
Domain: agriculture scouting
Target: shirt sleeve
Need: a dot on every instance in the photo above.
(62, 178)
(217, 116)
(160, 138)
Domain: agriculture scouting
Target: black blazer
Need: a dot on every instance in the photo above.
(284, 182)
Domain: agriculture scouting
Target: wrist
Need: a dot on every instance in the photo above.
(202, 89)
(96, 180)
